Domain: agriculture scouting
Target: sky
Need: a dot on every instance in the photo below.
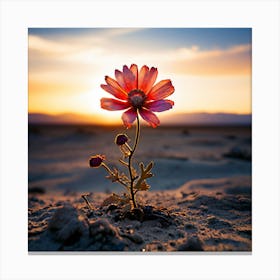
(210, 68)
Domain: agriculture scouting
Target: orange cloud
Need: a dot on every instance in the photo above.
(233, 61)
(53, 88)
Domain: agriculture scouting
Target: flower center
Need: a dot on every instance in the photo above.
(136, 97)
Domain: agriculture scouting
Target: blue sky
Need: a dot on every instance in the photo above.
(206, 38)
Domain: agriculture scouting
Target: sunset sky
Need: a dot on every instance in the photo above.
(209, 68)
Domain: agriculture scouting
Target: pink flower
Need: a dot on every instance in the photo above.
(135, 91)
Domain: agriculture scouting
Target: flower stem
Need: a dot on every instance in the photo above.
(132, 178)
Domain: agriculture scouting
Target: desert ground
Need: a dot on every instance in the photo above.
(200, 196)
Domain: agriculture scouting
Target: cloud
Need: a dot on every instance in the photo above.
(49, 47)
(233, 61)
(66, 44)
(57, 88)
(94, 50)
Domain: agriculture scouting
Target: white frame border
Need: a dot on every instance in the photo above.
(262, 16)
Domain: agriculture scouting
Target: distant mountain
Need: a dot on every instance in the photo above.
(36, 118)
(207, 119)
(177, 119)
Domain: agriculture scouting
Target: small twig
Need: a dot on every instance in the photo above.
(84, 196)
(123, 162)
(128, 147)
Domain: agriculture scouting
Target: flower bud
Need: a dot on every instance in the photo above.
(121, 139)
(95, 161)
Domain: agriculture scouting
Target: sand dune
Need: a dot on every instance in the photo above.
(201, 215)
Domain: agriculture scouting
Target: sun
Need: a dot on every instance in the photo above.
(88, 103)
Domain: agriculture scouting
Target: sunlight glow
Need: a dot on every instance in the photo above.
(66, 77)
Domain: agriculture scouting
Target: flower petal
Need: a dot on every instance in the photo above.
(149, 80)
(144, 69)
(115, 85)
(120, 79)
(129, 78)
(161, 90)
(149, 117)
(113, 104)
(159, 105)
(129, 117)
(134, 70)
(118, 94)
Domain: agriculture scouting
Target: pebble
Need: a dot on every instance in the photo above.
(190, 227)
(66, 225)
(111, 207)
(154, 246)
(215, 223)
(151, 214)
(103, 227)
(105, 237)
(180, 233)
(37, 189)
(136, 238)
(191, 244)
(135, 214)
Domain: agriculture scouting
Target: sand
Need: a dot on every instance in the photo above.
(200, 196)
(201, 215)
(58, 155)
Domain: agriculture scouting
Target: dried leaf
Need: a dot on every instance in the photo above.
(112, 199)
(125, 151)
(125, 199)
(134, 172)
(116, 199)
(145, 172)
(123, 162)
(124, 178)
(141, 184)
(114, 176)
